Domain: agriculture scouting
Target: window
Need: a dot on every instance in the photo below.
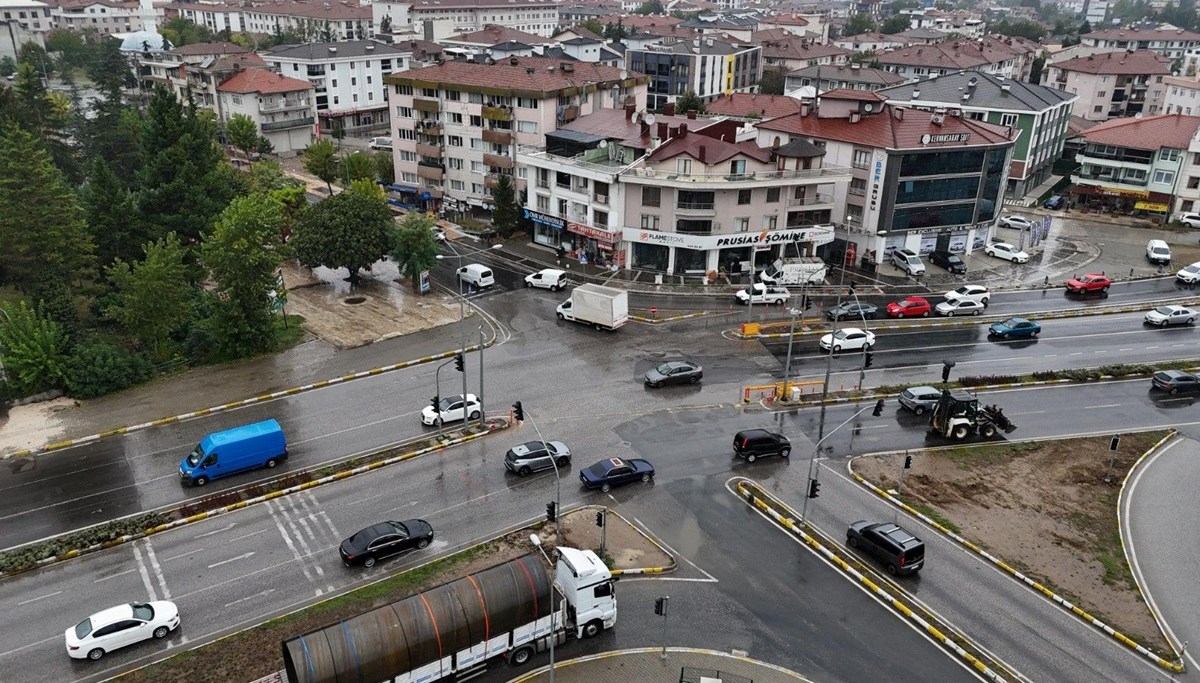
(456, 118)
(404, 90)
(476, 167)
(862, 158)
(527, 103)
(477, 143)
(1165, 154)
(428, 92)
(410, 178)
(476, 188)
(858, 186)
(651, 196)
(772, 195)
(770, 222)
(1186, 205)
(527, 126)
(737, 167)
(600, 219)
(453, 95)
(543, 203)
(456, 164)
(562, 208)
(408, 156)
(404, 112)
(475, 98)
(744, 196)
(1164, 177)
(543, 177)
(457, 185)
(649, 222)
(1102, 94)
(454, 141)
(1097, 109)
(1008, 120)
(406, 134)
(477, 121)
(684, 166)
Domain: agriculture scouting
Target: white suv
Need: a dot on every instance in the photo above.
(908, 261)
(976, 293)
(1192, 220)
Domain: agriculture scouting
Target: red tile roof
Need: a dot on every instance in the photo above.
(292, 8)
(1143, 34)
(713, 150)
(796, 47)
(210, 49)
(1151, 132)
(748, 104)
(638, 21)
(786, 20)
(494, 34)
(263, 82)
(856, 95)
(961, 54)
(529, 74)
(893, 128)
(1139, 62)
(615, 124)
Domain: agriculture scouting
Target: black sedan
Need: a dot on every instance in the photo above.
(384, 540)
(612, 472)
(851, 310)
(1175, 381)
(674, 372)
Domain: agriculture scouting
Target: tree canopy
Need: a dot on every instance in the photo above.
(349, 230)
(414, 248)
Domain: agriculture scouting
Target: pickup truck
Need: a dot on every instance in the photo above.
(763, 295)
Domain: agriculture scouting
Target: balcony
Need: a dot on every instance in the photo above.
(498, 161)
(492, 181)
(600, 199)
(503, 113)
(283, 105)
(427, 105)
(696, 208)
(811, 200)
(425, 150)
(289, 123)
(433, 128)
(1108, 179)
(430, 172)
(497, 136)
(823, 174)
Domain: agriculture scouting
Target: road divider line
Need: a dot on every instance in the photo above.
(40, 597)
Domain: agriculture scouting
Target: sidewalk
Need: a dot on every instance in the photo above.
(647, 665)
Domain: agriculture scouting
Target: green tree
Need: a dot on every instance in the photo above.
(689, 101)
(350, 230)
(112, 218)
(242, 133)
(385, 168)
(651, 7)
(337, 130)
(41, 221)
(152, 296)
(180, 32)
(320, 160)
(32, 348)
(593, 24)
(109, 70)
(897, 24)
(858, 23)
(1022, 28)
(772, 81)
(357, 166)
(96, 368)
(1035, 69)
(414, 246)
(8, 66)
(507, 214)
(616, 32)
(242, 254)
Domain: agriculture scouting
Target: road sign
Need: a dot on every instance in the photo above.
(425, 286)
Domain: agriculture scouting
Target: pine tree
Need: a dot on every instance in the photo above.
(507, 214)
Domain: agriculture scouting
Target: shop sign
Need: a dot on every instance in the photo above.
(598, 234)
(945, 137)
(946, 228)
(1130, 194)
(544, 219)
(1152, 206)
(817, 234)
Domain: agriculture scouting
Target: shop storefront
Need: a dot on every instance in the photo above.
(958, 239)
(548, 230)
(693, 254)
(596, 245)
(1115, 199)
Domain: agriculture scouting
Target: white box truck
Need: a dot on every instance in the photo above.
(512, 610)
(794, 271)
(604, 308)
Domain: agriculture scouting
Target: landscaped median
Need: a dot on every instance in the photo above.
(125, 530)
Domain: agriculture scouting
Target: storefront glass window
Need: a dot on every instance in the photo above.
(650, 256)
(734, 260)
(544, 234)
(690, 260)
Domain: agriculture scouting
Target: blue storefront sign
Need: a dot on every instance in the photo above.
(543, 219)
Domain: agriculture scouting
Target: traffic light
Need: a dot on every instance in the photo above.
(807, 302)
(518, 412)
(551, 511)
(907, 461)
(946, 365)
(600, 519)
(867, 358)
(660, 606)
(458, 362)
(436, 402)
(878, 409)
(814, 487)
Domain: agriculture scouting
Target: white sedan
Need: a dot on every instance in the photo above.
(976, 293)
(452, 408)
(1014, 221)
(1007, 252)
(848, 339)
(959, 307)
(119, 626)
(1170, 315)
(1189, 274)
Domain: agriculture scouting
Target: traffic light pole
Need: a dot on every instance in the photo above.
(557, 479)
(812, 461)
(437, 396)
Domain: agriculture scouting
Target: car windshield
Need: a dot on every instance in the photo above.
(841, 334)
(953, 259)
(907, 302)
(445, 404)
(194, 457)
(665, 368)
(1164, 310)
(599, 469)
(1191, 269)
(1011, 322)
(83, 628)
(142, 611)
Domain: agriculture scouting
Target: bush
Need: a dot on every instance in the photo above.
(97, 368)
(1045, 375)
(983, 380)
(26, 557)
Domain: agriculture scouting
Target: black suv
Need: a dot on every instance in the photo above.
(950, 262)
(899, 551)
(751, 443)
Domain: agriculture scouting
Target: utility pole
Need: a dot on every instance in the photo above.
(660, 608)
(481, 346)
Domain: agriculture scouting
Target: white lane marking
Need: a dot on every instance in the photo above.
(158, 573)
(227, 527)
(190, 551)
(15, 650)
(40, 597)
(710, 579)
(250, 597)
(137, 554)
(113, 576)
(252, 533)
(243, 556)
(292, 519)
(287, 539)
(1106, 405)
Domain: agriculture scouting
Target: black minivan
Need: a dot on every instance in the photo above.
(949, 261)
(752, 443)
(898, 550)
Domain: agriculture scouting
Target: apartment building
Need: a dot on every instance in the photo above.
(99, 17)
(872, 41)
(437, 19)
(1187, 185)
(792, 52)
(318, 21)
(347, 79)
(840, 77)
(812, 25)
(1136, 164)
(1039, 113)
(920, 180)
(283, 108)
(1002, 56)
(1112, 84)
(456, 126)
(705, 66)
(22, 21)
(1182, 96)
(193, 72)
(1164, 40)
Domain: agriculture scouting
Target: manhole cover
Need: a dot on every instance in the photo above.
(354, 300)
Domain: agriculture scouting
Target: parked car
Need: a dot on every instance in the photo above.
(1158, 252)
(1175, 381)
(851, 310)
(754, 443)
(908, 261)
(438, 234)
(116, 627)
(1189, 274)
(950, 261)
(1006, 251)
(476, 274)
(1092, 282)
(1192, 220)
(534, 456)
(380, 541)
(612, 472)
(674, 372)
(1055, 202)
(1171, 315)
(959, 307)
(547, 278)
(1015, 328)
(898, 550)
(848, 339)
(910, 307)
(763, 295)
(919, 399)
(977, 293)
(452, 408)
(1014, 221)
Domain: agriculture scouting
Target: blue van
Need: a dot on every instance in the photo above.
(221, 454)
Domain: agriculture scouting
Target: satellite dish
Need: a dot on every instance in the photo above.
(868, 107)
(603, 144)
(650, 119)
(624, 74)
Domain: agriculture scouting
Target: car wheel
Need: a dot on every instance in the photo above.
(553, 288)
(899, 315)
(272, 463)
(528, 284)
(960, 432)
(1174, 390)
(645, 478)
(988, 431)
(200, 481)
(1015, 260)
(560, 316)
(984, 302)
(1189, 321)
(852, 541)
(523, 472)
(474, 415)
(655, 385)
(1004, 336)
(693, 379)
(369, 562)
(422, 544)
(1035, 333)
(563, 462)
(1104, 290)
(521, 656)
(837, 349)
(751, 458)
(919, 410)
(605, 488)
(976, 312)
(785, 452)
(1162, 323)
(591, 629)
(925, 314)
(95, 654)
(891, 569)
(161, 632)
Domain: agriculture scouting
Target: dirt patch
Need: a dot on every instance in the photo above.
(256, 653)
(33, 425)
(1043, 507)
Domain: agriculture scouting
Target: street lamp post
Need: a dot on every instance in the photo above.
(481, 347)
(817, 449)
(787, 367)
(437, 393)
(537, 542)
(557, 478)
(462, 333)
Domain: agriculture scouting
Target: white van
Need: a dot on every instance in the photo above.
(476, 274)
(1157, 251)
(548, 278)
(380, 143)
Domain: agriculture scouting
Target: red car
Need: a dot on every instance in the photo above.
(1092, 282)
(912, 307)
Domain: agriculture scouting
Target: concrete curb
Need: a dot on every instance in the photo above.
(643, 570)
(524, 678)
(767, 504)
(118, 431)
(1176, 667)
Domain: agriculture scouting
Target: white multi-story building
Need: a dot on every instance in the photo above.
(283, 108)
(325, 21)
(704, 66)
(437, 19)
(193, 72)
(347, 79)
(1112, 84)
(1165, 40)
(101, 17)
(22, 21)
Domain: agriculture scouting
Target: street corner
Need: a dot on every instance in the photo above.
(627, 549)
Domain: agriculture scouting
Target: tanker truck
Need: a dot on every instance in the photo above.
(509, 611)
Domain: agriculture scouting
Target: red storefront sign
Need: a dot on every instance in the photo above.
(606, 238)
